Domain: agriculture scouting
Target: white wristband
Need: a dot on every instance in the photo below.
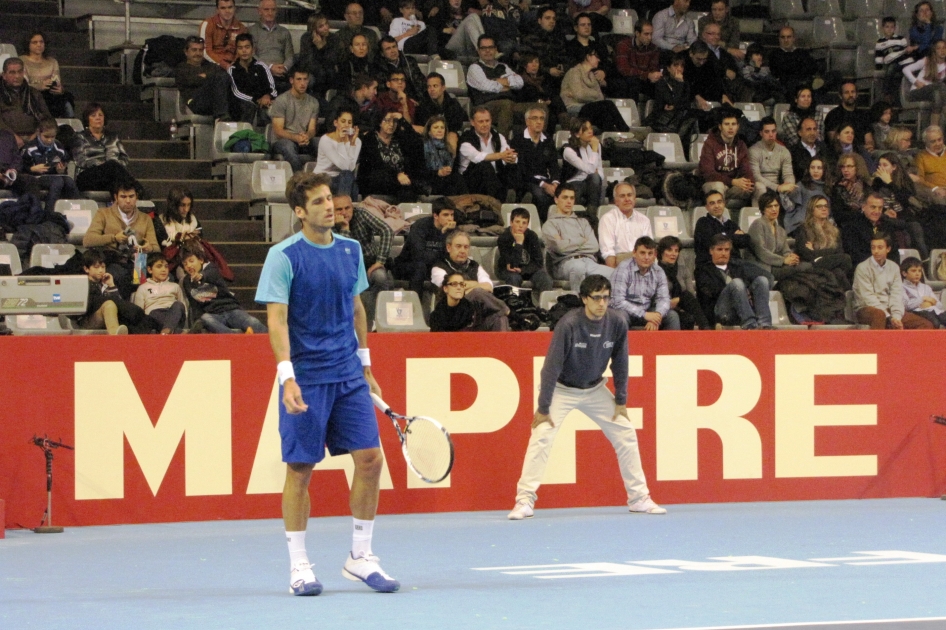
(284, 371)
(364, 354)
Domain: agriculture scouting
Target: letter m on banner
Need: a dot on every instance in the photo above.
(198, 407)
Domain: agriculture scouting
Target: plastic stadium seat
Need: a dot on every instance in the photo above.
(863, 8)
(824, 8)
(899, 7)
(234, 166)
(781, 9)
(623, 21)
(669, 145)
(561, 138)
(748, 216)
(778, 113)
(700, 212)
(43, 255)
(548, 298)
(868, 30)
(629, 111)
(669, 221)
(414, 209)
(79, 213)
(697, 147)
(613, 174)
(780, 314)
(9, 255)
(399, 311)
(268, 185)
(754, 112)
(918, 107)
(453, 74)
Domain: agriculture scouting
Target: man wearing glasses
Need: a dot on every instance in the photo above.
(395, 98)
(584, 342)
(495, 86)
(220, 32)
(204, 85)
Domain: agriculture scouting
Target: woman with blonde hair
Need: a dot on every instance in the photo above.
(926, 79)
(818, 240)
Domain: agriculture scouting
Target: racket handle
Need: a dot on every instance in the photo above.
(380, 404)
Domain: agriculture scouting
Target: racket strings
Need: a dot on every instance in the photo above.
(428, 448)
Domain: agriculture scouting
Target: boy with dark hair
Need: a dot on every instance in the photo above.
(891, 53)
(210, 300)
(253, 88)
(724, 161)
(106, 308)
(45, 158)
(425, 245)
(521, 255)
(641, 292)
(918, 297)
(161, 299)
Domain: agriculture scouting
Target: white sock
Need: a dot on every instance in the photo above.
(297, 554)
(361, 538)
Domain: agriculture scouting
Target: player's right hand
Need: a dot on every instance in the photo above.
(292, 397)
(539, 418)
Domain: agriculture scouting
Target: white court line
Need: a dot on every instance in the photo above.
(809, 624)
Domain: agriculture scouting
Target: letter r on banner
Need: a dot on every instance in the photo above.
(679, 416)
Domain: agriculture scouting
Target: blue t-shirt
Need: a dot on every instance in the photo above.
(319, 283)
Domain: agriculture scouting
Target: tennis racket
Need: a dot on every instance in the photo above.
(427, 447)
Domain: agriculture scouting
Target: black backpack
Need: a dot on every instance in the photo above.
(565, 303)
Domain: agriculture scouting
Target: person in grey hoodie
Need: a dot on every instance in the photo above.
(572, 246)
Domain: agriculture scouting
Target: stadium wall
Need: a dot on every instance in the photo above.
(185, 428)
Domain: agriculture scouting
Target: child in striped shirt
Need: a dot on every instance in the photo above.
(891, 53)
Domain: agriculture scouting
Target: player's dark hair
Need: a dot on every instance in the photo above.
(92, 256)
(646, 242)
(882, 236)
(300, 184)
(910, 263)
(245, 37)
(666, 243)
(720, 239)
(563, 187)
(709, 194)
(592, 283)
(519, 213)
(437, 75)
(154, 257)
(126, 183)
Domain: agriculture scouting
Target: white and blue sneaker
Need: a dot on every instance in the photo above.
(367, 569)
(302, 580)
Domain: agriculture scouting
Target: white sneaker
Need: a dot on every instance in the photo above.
(646, 506)
(521, 511)
(367, 569)
(302, 580)
(121, 330)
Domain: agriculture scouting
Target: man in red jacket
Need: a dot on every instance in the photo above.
(724, 162)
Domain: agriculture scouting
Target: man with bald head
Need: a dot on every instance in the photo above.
(621, 226)
(340, 40)
(273, 44)
(790, 65)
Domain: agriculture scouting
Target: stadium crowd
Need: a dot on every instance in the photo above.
(813, 195)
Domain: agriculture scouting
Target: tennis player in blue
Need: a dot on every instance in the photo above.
(318, 330)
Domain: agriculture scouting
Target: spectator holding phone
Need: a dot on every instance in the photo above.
(45, 158)
(42, 73)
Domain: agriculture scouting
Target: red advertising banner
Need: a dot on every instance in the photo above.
(185, 428)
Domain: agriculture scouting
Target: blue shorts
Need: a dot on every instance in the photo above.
(340, 416)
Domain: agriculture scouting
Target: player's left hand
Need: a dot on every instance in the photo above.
(372, 383)
(292, 397)
(620, 410)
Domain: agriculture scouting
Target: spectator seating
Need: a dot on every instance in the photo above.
(700, 212)
(754, 112)
(779, 313)
(548, 298)
(9, 255)
(561, 138)
(629, 111)
(235, 167)
(919, 109)
(268, 184)
(409, 210)
(623, 21)
(453, 74)
(747, 216)
(821, 8)
(863, 8)
(198, 130)
(50, 255)
(778, 113)
(399, 311)
(79, 213)
(898, 7)
(697, 147)
(606, 208)
(830, 33)
(669, 221)
(783, 9)
(868, 30)
(669, 146)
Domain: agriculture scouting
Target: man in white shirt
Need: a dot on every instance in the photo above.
(494, 85)
(620, 227)
(487, 162)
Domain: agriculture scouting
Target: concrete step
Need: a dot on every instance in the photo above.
(72, 74)
(31, 7)
(215, 209)
(122, 110)
(244, 252)
(158, 188)
(49, 24)
(55, 39)
(248, 230)
(142, 130)
(104, 91)
(171, 169)
(245, 275)
(77, 55)
(156, 149)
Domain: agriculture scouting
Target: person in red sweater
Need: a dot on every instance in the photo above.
(724, 162)
(638, 61)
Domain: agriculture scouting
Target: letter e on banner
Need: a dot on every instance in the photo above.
(797, 415)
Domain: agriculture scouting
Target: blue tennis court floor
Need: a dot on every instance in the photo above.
(865, 565)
